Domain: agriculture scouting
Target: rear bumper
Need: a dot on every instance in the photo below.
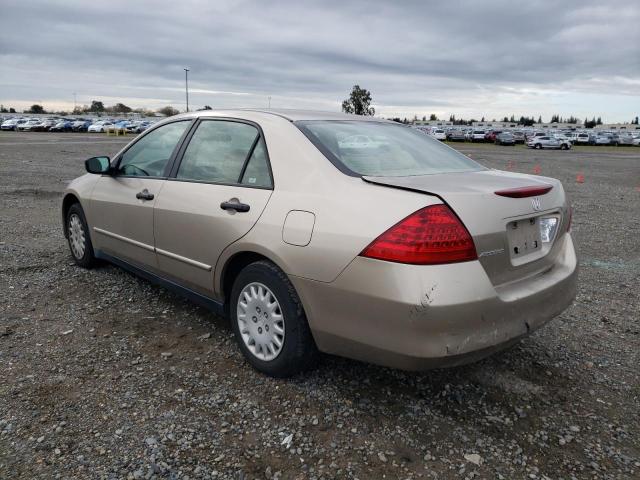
(419, 317)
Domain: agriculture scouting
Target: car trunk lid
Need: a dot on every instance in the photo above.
(493, 219)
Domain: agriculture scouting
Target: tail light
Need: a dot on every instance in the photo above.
(430, 236)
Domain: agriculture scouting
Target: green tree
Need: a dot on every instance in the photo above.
(121, 108)
(35, 109)
(433, 117)
(96, 106)
(206, 107)
(359, 102)
(3, 110)
(12, 110)
(168, 111)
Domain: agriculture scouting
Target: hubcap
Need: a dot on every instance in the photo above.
(76, 236)
(260, 321)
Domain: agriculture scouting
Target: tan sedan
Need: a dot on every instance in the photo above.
(327, 232)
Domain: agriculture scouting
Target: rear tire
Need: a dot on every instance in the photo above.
(538, 146)
(269, 322)
(78, 237)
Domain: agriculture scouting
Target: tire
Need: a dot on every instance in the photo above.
(538, 146)
(298, 351)
(77, 233)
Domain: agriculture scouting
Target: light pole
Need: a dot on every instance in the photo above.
(186, 85)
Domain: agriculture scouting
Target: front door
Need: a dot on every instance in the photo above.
(216, 195)
(122, 203)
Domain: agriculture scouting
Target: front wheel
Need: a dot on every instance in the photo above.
(538, 146)
(78, 236)
(269, 322)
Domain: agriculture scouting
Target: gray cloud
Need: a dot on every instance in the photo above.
(468, 58)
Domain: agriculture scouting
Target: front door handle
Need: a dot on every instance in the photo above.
(144, 195)
(235, 205)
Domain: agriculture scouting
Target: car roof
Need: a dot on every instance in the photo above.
(292, 115)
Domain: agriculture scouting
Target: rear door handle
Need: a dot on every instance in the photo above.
(237, 206)
(144, 195)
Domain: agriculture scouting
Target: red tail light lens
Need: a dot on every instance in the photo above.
(430, 236)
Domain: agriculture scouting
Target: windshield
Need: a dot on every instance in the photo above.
(383, 149)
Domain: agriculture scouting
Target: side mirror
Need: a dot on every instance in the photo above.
(98, 165)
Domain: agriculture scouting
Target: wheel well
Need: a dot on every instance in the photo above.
(68, 200)
(231, 270)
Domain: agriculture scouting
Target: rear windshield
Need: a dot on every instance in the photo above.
(383, 149)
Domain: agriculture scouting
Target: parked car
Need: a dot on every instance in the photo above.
(518, 136)
(505, 138)
(99, 127)
(12, 124)
(81, 125)
(549, 142)
(28, 125)
(63, 126)
(44, 125)
(625, 139)
(603, 139)
(477, 136)
(455, 136)
(491, 136)
(583, 138)
(636, 141)
(404, 274)
(438, 134)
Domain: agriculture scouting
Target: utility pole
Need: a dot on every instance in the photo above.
(269, 101)
(186, 85)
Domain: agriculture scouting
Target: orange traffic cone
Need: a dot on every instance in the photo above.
(580, 178)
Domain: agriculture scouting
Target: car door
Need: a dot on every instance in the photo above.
(215, 194)
(122, 203)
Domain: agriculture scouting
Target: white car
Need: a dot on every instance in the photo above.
(583, 138)
(438, 134)
(636, 141)
(28, 124)
(477, 136)
(11, 124)
(99, 127)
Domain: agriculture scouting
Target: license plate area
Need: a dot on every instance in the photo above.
(525, 241)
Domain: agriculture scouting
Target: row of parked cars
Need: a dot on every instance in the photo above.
(57, 124)
(560, 139)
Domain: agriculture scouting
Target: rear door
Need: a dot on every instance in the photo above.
(216, 193)
(122, 203)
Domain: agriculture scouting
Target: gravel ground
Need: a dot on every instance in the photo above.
(103, 375)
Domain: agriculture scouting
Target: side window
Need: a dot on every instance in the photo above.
(217, 152)
(149, 156)
(257, 172)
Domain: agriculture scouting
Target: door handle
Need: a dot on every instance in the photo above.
(237, 206)
(144, 195)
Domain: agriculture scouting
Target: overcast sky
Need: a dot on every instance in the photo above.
(478, 58)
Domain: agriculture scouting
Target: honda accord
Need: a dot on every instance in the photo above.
(397, 250)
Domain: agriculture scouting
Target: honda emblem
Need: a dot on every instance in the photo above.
(536, 204)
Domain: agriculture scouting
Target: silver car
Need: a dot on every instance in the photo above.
(549, 142)
(397, 250)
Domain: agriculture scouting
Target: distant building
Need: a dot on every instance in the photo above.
(432, 123)
(618, 127)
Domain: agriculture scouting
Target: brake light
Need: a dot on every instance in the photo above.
(430, 236)
(523, 192)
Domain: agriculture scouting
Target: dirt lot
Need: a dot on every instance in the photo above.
(103, 375)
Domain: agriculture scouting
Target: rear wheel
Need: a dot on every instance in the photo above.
(269, 322)
(78, 236)
(538, 146)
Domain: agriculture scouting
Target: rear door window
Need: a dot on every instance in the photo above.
(226, 152)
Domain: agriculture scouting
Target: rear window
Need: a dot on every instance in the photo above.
(383, 149)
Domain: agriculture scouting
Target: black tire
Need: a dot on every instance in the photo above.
(298, 352)
(88, 259)
(538, 146)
